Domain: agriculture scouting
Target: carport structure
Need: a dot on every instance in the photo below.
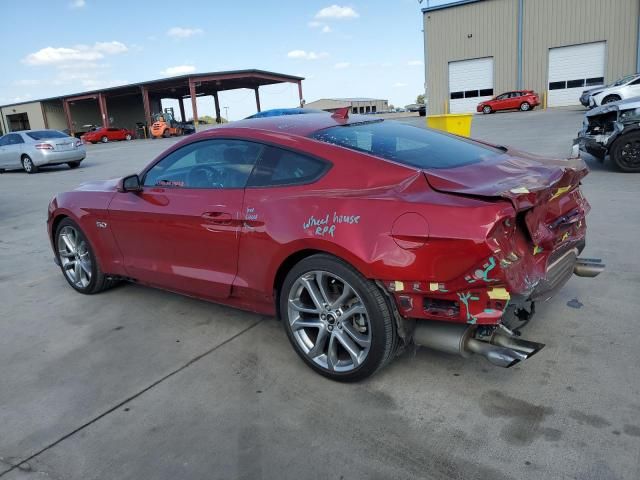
(148, 95)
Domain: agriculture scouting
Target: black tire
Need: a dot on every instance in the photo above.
(486, 110)
(625, 152)
(383, 336)
(610, 99)
(104, 139)
(99, 282)
(94, 142)
(525, 106)
(73, 165)
(28, 165)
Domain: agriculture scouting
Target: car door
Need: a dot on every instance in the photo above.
(501, 102)
(115, 134)
(513, 101)
(633, 88)
(11, 151)
(4, 152)
(181, 231)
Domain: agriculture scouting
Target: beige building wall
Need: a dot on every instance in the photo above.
(54, 113)
(476, 30)
(489, 29)
(33, 111)
(355, 105)
(559, 23)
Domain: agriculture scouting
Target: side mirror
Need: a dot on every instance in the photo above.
(130, 183)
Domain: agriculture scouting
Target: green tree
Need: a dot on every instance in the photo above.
(420, 98)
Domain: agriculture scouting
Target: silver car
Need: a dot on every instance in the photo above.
(32, 149)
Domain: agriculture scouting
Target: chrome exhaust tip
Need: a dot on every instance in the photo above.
(502, 349)
(588, 267)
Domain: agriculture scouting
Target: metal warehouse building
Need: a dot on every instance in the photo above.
(129, 105)
(356, 104)
(475, 49)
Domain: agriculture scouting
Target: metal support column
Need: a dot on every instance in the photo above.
(257, 98)
(182, 115)
(300, 93)
(104, 113)
(147, 110)
(67, 116)
(519, 52)
(194, 107)
(216, 102)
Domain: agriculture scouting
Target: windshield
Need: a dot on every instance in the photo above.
(623, 80)
(45, 134)
(406, 144)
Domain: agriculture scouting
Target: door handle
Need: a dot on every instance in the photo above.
(217, 218)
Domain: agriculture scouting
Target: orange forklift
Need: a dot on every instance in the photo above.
(165, 125)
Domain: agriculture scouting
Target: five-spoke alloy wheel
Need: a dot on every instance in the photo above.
(77, 260)
(337, 321)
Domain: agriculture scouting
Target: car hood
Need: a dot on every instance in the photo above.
(524, 179)
(99, 186)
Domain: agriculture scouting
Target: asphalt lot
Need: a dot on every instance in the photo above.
(141, 384)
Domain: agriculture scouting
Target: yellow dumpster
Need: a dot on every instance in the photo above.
(456, 123)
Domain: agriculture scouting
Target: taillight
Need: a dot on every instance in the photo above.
(44, 146)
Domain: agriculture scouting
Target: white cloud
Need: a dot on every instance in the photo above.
(26, 83)
(399, 85)
(324, 28)
(77, 4)
(178, 70)
(302, 54)
(341, 65)
(80, 53)
(414, 63)
(337, 12)
(181, 32)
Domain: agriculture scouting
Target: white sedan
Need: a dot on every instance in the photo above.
(627, 87)
(31, 149)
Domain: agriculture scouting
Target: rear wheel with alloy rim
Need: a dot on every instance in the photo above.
(625, 152)
(28, 165)
(104, 139)
(525, 106)
(127, 137)
(77, 260)
(486, 109)
(337, 321)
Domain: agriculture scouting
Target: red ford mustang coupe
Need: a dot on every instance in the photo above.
(105, 135)
(519, 100)
(364, 236)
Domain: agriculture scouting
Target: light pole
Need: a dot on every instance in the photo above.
(226, 113)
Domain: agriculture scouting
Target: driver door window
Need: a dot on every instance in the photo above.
(207, 164)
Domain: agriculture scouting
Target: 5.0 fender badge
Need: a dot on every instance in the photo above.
(101, 224)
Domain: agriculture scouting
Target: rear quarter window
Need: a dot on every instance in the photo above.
(406, 144)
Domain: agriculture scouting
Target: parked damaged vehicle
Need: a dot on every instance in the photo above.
(364, 236)
(614, 130)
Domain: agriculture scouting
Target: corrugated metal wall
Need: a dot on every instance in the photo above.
(493, 26)
(557, 23)
(547, 24)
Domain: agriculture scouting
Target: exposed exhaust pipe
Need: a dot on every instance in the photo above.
(503, 348)
(588, 267)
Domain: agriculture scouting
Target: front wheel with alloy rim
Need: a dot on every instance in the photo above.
(339, 322)
(28, 165)
(127, 137)
(625, 152)
(77, 259)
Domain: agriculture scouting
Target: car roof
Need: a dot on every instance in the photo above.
(302, 125)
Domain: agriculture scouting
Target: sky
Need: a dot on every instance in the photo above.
(362, 48)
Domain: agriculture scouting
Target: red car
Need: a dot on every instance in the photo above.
(524, 100)
(361, 235)
(105, 135)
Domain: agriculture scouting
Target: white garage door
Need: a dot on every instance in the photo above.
(470, 82)
(572, 69)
